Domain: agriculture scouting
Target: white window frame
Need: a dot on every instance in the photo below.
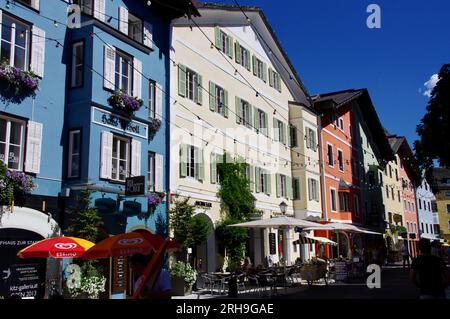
(333, 203)
(263, 181)
(280, 129)
(245, 57)
(191, 163)
(283, 189)
(117, 139)
(151, 171)
(224, 39)
(328, 155)
(72, 154)
(7, 142)
(12, 41)
(343, 198)
(342, 160)
(76, 65)
(340, 124)
(245, 115)
(120, 57)
(191, 80)
(259, 68)
(220, 99)
(132, 21)
(152, 100)
(263, 120)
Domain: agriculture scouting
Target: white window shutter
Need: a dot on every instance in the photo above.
(99, 10)
(38, 51)
(109, 68)
(159, 173)
(35, 4)
(148, 34)
(137, 78)
(159, 102)
(135, 158)
(34, 145)
(106, 155)
(123, 20)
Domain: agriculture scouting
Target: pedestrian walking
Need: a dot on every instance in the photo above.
(429, 273)
(405, 254)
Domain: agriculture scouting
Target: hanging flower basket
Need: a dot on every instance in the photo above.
(16, 85)
(153, 127)
(14, 186)
(153, 200)
(124, 103)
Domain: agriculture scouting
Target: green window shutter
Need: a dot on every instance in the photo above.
(289, 187)
(252, 177)
(230, 46)
(199, 89)
(275, 130)
(310, 195)
(201, 168)
(266, 123)
(268, 183)
(237, 49)
(314, 140)
(264, 75)
(248, 121)
(278, 183)
(183, 160)
(212, 97)
(213, 168)
(279, 84)
(181, 80)
(225, 102)
(238, 110)
(286, 134)
(256, 119)
(254, 65)
(248, 60)
(270, 77)
(257, 180)
(217, 36)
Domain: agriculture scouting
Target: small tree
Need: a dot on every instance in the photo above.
(233, 239)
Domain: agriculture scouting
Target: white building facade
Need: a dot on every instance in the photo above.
(428, 216)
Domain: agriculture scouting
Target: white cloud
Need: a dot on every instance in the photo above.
(430, 84)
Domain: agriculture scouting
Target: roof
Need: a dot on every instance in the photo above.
(173, 9)
(335, 100)
(400, 146)
(292, 73)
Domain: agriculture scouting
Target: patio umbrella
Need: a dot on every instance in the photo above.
(56, 247)
(126, 244)
(306, 239)
(342, 226)
(280, 222)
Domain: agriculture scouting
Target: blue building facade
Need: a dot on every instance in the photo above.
(69, 138)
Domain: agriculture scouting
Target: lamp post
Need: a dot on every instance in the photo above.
(286, 237)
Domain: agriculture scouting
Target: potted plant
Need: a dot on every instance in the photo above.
(183, 277)
(14, 186)
(125, 103)
(15, 84)
(153, 127)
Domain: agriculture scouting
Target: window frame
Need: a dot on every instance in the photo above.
(151, 171)
(343, 199)
(220, 100)
(263, 119)
(139, 19)
(245, 113)
(283, 186)
(152, 100)
(127, 140)
(341, 166)
(23, 140)
(293, 135)
(70, 153)
(245, 62)
(195, 83)
(330, 154)
(12, 40)
(75, 65)
(120, 56)
(333, 199)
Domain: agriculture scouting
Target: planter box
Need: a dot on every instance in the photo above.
(179, 287)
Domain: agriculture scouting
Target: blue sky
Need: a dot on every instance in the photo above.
(332, 49)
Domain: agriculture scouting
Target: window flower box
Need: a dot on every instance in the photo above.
(124, 103)
(16, 85)
(14, 186)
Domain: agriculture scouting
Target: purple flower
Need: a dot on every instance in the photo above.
(153, 199)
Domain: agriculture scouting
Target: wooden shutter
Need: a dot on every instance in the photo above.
(159, 101)
(34, 146)
(276, 131)
(310, 197)
(278, 184)
(217, 37)
(212, 97)
(257, 180)
(237, 49)
(248, 121)
(159, 173)
(123, 20)
(225, 103)
(230, 46)
(256, 119)
(99, 10)
(35, 4)
(270, 77)
(135, 158)
(38, 51)
(109, 67)
(264, 75)
(106, 155)
(266, 123)
(289, 188)
(238, 110)
(255, 70)
(181, 80)
(251, 177)
(199, 88)
(314, 140)
(183, 160)
(268, 183)
(213, 168)
(137, 78)
(148, 34)
(201, 166)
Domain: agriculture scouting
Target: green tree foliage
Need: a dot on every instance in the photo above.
(199, 230)
(434, 128)
(233, 239)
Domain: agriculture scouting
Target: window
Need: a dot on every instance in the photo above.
(280, 134)
(224, 43)
(244, 111)
(333, 200)
(413, 207)
(313, 188)
(421, 227)
(311, 141)
(282, 185)
(396, 175)
(448, 208)
(330, 155)
(74, 154)
(340, 123)
(15, 42)
(356, 205)
(12, 142)
(381, 179)
(296, 188)
(191, 163)
(220, 99)
(404, 205)
(387, 191)
(259, 69)
(353, 167)
(86, 5)
(192, 85)
(448, 224)
(392, 192)
(398, 195)
(120, 158)
(390, 171)
(262, 121)
(429, 206)
(426, 225)
(341, 160)
(152, 100)
(151, 171)
(293, 136)
(242, 56)
(262, 181)
(343, 202)
(77, 64)
(135, 28)
(124, 65)
(420, 203)
(274, 80)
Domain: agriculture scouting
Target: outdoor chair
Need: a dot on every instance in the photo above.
(241, 282)
(208, 283)
(254, 285)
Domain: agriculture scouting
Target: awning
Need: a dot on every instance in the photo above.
(313, 240)
(345, 227)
